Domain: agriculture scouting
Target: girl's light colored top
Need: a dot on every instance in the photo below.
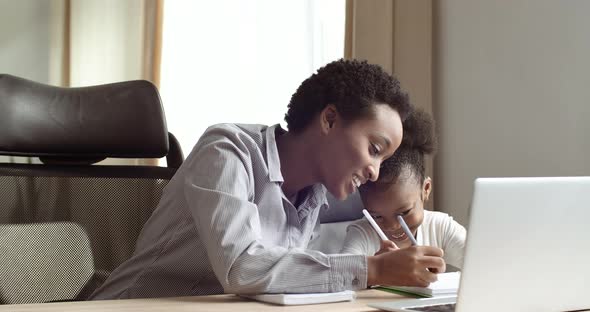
(438, 229)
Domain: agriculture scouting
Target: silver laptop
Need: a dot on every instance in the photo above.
(527, 249)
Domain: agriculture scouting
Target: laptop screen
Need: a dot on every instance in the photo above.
(527, 249)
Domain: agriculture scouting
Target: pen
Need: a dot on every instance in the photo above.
(410, 235)
(407, 230)
(376, 227)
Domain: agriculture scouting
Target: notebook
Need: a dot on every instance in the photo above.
(299, 299)
(446, 285)
(526, 250)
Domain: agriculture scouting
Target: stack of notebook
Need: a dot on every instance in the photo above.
(297, 299)
(446, 285)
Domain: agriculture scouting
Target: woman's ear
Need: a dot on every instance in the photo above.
(426, 188)
(328, 117)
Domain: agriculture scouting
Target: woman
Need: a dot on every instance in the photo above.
(239, 213)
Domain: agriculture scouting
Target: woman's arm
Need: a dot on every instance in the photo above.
(219, 192)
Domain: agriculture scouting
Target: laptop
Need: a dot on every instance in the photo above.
(527, 249)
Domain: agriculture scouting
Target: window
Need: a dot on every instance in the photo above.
(240, 61)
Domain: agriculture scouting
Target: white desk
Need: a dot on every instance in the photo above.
(219, 303)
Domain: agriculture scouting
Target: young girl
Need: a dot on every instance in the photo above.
(239, 214)
(402, 189)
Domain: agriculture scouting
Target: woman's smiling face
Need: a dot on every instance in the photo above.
(357, 148)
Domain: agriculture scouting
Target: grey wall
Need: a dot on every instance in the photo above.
(512, 93)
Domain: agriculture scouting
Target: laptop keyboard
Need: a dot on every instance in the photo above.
(437, 308)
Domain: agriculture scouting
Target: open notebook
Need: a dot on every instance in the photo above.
(446, 285)
(298, 299)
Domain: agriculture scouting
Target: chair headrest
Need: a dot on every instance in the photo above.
(123, 120)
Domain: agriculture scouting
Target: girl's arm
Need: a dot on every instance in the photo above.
(360, 239)
(453, 242)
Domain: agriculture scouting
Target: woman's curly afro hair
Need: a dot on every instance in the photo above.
(352, 86)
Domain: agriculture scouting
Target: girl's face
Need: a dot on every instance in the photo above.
(352, 152)
(405, 198)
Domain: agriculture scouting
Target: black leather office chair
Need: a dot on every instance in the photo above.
(65, 221)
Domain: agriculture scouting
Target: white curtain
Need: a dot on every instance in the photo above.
(240, 61)
(26, 48)
(108, 42)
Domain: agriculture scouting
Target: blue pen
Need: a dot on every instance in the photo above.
(407, 230)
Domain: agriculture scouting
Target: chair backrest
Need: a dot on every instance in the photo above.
(70, 129)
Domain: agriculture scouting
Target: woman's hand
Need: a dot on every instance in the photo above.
(411, 266)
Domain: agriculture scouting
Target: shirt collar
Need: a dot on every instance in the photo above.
(315, 199)
(272, 154)
(318, 191)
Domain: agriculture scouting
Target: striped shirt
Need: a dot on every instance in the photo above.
(224, 225)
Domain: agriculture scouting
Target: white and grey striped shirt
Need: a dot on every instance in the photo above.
(224, 225)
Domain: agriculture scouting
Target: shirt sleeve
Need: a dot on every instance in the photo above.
(453, 243)
(359, 241)
(219, 191)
